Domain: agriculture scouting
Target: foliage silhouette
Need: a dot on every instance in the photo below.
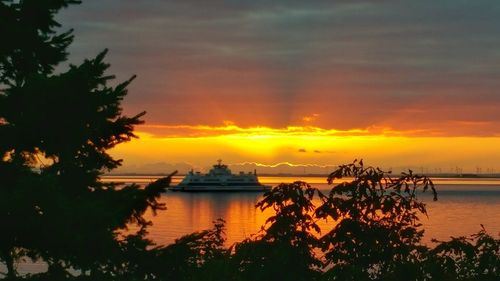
(465, 258)
(373, 234)
(378, 231)
(56, 129)
(195, 256)
(33, 45)
(287, 242)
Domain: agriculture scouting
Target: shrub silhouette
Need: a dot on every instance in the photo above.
(285, 248)
(465, 258)
(56, 129)
(373, 234)
(378, 231)
(197, 256)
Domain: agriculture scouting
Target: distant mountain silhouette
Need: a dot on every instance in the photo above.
(285, 168)
(183, 168)
(156, 168)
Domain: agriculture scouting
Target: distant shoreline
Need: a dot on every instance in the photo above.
(461, 176)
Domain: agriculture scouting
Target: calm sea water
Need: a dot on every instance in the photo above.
(462, 206)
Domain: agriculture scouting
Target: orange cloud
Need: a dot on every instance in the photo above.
(310, 118)
(259, 146)
(230, 128)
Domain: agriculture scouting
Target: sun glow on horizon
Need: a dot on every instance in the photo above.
(230, 128)
(309, 145)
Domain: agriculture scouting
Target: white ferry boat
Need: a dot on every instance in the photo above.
(220, 178)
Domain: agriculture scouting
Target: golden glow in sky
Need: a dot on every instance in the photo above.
(201, 145)
(302, 82)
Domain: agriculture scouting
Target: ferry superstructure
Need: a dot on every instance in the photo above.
(220, 178)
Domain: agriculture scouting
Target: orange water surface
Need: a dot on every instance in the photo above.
(463, 205)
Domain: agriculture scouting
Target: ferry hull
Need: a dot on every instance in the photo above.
(220, 178)
(246, 188)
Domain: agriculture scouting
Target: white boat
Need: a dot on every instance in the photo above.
(220, 178)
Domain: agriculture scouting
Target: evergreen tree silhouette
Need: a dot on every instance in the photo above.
(56, 129)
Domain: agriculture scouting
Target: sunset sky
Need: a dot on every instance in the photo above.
(398, 83)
